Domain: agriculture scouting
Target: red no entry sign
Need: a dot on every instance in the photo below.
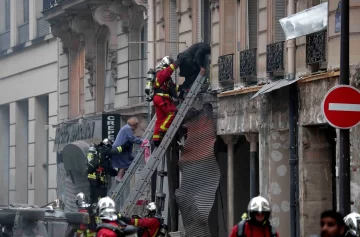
(341, 106)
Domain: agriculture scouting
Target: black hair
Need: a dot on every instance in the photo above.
(338, 217)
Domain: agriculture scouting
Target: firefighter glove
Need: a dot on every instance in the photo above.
(125, 219)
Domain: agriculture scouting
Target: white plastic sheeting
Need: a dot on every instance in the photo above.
(306, 22)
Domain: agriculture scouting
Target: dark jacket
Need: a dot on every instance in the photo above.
(195, 58)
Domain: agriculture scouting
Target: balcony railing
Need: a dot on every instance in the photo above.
(248, 63)
(5, 40)
(23, 33)
(275, 57)
(316, 47)
(43, 28)
(47, 4)
(226, 67)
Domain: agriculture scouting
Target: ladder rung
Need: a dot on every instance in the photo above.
(159, 152)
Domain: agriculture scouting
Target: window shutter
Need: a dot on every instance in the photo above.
(280, 12)
(253, 23)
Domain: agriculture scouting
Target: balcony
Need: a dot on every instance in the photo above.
(275, 57)
(226, 68)
(316, 44)
(248, 67)
(47, 4)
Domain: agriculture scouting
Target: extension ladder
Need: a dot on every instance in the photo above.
(157, 155)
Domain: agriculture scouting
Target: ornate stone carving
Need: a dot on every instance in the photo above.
(104, 16)
(85, 25)
(89, 66)
(143, 3)
(125, 13)
(113, 62)
(61, 29)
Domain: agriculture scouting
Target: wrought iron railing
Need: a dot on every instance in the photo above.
(23, 33)
(226, 67)
(47, 4)
(316, 47)
(275, 57)
(43, 27)
(248, 63)
(5, 40)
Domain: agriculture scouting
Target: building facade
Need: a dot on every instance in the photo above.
(269, 92)
(28, 104)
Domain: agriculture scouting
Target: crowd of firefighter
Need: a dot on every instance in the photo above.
(113, 158)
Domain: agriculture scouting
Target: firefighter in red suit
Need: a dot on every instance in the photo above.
(150, 225)
(164, 92)
(258, 224)
(83, 205)
(106, 212)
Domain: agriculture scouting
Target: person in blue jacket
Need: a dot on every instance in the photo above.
(123, 160)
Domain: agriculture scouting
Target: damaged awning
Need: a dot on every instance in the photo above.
(306, 22)
(275, 85)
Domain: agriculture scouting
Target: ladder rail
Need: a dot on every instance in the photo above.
(159, 152)
(116, 192)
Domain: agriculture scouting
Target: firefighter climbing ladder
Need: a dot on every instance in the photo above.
(156, 156)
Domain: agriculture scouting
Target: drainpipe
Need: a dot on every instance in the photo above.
(254, 164)
(293, 132)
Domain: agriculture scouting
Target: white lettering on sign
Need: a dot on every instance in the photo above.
(111, 127)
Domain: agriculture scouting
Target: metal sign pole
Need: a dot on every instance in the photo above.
(344, 133)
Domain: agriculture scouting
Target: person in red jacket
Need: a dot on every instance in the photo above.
(150, 225)
(164, 92)
(106, 212)
(258, 224)
(83, 205)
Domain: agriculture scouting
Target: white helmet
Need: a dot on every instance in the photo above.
(107, 142)
(259, 205)
(165, 62)
(151, 208)
(81, 200)
(352, 221)
(105, 209)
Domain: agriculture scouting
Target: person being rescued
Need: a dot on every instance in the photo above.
(150, 225)
(164, 92)
(99, 167)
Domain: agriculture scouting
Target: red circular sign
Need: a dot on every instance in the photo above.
(341, 106)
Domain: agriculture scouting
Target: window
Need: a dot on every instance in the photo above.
(204, 21)
(143, 62)
(7, 15)
(252, 16)
(279, 13)
(26, 11)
